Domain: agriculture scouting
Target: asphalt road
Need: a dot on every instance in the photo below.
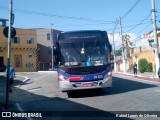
(41, 93)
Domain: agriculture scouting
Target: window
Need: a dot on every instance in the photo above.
(48, 36)
(30, 41)
(16, 40)
(30, 54)
(18, 61)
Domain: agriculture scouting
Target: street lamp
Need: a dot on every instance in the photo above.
(52, 42)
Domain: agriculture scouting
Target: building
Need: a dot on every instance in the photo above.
(3, 22)
(23, 50)
(141, 48)
(45, 41)
(144, 48)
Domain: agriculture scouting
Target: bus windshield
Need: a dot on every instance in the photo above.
(83, 54)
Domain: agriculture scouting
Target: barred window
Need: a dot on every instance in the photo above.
(16, 40)
(30, 41)
(48, 36)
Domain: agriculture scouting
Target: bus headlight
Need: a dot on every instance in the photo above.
(61, 77)
(107, 75)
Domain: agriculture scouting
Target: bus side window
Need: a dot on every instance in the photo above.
(110, 47)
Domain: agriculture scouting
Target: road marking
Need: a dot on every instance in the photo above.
(26, 79)
(22, 76)
(21, 110)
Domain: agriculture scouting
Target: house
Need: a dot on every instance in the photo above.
(23, 50)
(143, 48)
(45, 42)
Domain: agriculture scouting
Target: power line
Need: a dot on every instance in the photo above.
(139, 23)
(115, 26)
(134, 5)
(134, 25)
(57, 16)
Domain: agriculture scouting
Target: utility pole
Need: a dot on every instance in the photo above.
(9, 54)
(115, 67)
(155, 37)
(123, 48)
(52, 43)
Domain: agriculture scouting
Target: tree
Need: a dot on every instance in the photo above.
(126, 43)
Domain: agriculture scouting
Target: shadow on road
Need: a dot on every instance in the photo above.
(54, 107)
(121, 85)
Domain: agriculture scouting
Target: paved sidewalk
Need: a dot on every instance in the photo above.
(151, 76)
(11, 104)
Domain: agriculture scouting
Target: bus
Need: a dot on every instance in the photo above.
(83, 60)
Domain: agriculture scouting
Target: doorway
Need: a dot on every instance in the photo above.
(1, 60)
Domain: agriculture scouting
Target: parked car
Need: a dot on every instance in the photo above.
(2, 68)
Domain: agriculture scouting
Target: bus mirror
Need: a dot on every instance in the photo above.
(110, 48)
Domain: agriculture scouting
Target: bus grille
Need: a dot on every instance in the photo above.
(85, 70)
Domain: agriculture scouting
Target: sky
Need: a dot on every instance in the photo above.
(68, 15)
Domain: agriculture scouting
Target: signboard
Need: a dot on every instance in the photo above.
(13, 32)
(12, 19)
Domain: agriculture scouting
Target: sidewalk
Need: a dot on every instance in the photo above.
(150, 76)
(11, 104)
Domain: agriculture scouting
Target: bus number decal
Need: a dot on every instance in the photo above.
(98, 76)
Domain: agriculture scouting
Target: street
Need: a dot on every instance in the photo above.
(41, 93)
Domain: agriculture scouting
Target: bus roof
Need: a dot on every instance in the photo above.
(83, 31)
(82, 34)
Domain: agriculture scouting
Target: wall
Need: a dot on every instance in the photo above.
(20, 52)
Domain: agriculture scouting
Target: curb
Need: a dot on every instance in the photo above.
(138, 77)
(46, 71)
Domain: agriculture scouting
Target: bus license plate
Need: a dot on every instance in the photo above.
(87, 84)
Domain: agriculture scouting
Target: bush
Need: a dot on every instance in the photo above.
(149, 67)
(142, 65)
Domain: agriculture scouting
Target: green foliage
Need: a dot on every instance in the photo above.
(126, 43)
(118, 52)
(149, 67)
(126, 37)
(142, 65)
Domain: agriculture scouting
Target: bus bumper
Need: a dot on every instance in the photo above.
(66, 86)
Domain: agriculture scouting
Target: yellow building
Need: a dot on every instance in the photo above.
(23, 50)
(145, 51)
